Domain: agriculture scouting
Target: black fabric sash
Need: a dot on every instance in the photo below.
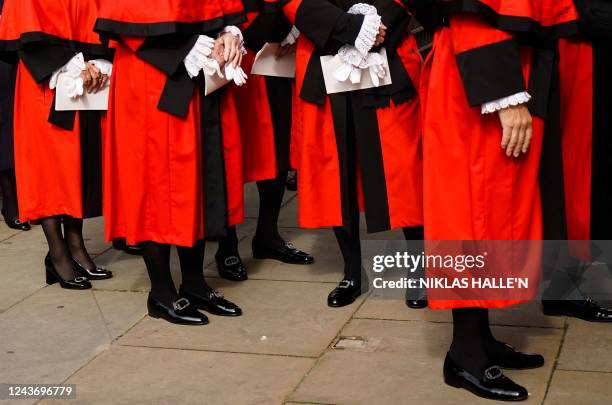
(91, 162)
(213, 166)
(270, 25)
(352, 119)
(280, 98)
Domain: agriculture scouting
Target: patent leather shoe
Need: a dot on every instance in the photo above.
(212, 301)
(231, 268)
(180, 312)
(52, 276)
(587, 310)
(344, 294)
(286, 253)
(99, 273)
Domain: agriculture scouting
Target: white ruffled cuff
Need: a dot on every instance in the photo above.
(503, 103)
(199, 58)
(354, 63)
(106, 67)
(73, 69)
(291, 37)
(369, 29)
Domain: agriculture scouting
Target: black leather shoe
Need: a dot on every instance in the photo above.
(120, 244)
(507, 357)
(419, 301)
(587, 310)
(15, 223)
(287, 253)
(212, 302)
(231, 268)
(52, 277)
(344, 294)
(180, 312)
(416, 304)
(99, 273)
(492, 384)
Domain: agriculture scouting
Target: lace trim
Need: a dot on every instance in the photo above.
(503, 103)
(199, 58)
(369, 30)
(74, 85)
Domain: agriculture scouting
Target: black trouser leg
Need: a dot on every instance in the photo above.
(73, 234)
(228, 246)
(9, 194)
(157, 260)
(271, 194)
(192, 268)
(58, 248)
(415, 236)
(468, 346)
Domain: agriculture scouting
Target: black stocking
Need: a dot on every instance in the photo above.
(271, 194)
(228, 246)
(192, 268)
(73, 233)
(9, 194)
(157, 260)
(415, 236)
(58, 249)
(468, 347)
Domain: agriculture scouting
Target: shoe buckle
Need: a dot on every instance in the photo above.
(80, 279)
(290, 246)
(493, 373)
(231, 261)
(180, 304)
(345, 284)
(216, 294)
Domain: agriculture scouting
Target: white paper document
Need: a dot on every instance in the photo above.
(86, 102)
(266, 63)
(332, 63)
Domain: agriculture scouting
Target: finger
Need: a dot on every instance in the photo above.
(507, 133)
(513, 140)
(522, 134)
(528, 138)
(227, 46)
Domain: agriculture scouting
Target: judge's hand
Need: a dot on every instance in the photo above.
(285, 50)
(93, 79)
(217, 53)
(517, 125)
(382, 33)
(231, 48)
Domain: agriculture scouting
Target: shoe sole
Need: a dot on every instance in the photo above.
(459, 385)
(264, 257)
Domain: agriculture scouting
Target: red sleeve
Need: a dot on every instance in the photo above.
(488, 59)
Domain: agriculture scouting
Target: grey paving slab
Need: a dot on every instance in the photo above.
(50, 335)
(136, 375)
(575, 387)
(528, 314)
(289, 318)
(6, 232)
(404, 365)
(587, 347)
(22, 274)
(121, 310)
(328, 266)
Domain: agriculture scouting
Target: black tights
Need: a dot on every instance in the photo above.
(271, 194)
(8, 187)
(157, 260)
(67, 245)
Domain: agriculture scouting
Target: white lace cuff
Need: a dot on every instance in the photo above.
(199, 58)
(503, 103)
(291, 37)
(73, 69)
(354, 63)
(106, 67)
(369, 29)
(237, 33)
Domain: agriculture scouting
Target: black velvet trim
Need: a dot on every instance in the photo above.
(313, 88)
(400, 90)
(42, 60)
(491, 72)
(280, 98)
(61, 119)
(595, 18)
(114, 28)
(270, 25)
(213, 167)
(166, 52)
(510, 23)
(601, 187)
(91, 162)
(396, 19)
(37, 38)
(177, 94)
(340, 113)
(540, 80)
(320, 20)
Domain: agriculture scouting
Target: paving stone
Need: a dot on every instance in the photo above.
(405, 366)
(50, 335)
(584, 388)
(22, 273)
(289, 318)
(6, 232)
(121, 310)
(528, 314)
(587, 347)
(136, 375)
(328, 266)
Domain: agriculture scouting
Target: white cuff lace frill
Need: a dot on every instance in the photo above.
(503, 103)
(198, 59)
(369, 30)
(73, 69)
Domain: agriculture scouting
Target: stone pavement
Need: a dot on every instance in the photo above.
(282, 351)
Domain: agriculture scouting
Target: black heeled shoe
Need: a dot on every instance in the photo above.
(587, 310)
(418, 302)
(508, 358)
(492, 384)
(231, 268)
(180, 312)
(344, 294)
(99, 273)
(287, 253)
(52, 277)
(15, 223)
(212, 302)
(120, 244)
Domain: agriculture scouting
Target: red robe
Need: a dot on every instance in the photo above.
(172, 157)
(473, 191)
(57, 173)
(389, 151)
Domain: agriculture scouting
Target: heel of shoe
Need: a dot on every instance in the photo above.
(50, 276)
